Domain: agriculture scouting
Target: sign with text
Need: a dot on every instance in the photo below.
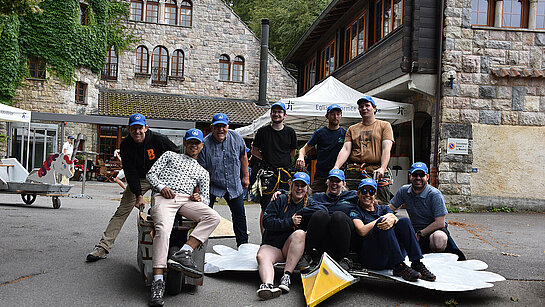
(457, 146)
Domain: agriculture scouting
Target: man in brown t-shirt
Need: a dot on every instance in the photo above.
(368, 146)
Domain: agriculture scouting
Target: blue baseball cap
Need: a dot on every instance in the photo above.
(220, 118)
(369, 182)
(333, 107)
(279, 104)
(336, 173)
(70, 137)
(137, 119)
(366, 98)
(301, 176)
(419, 166)
(194, 134)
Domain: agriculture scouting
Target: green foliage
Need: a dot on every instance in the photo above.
(502, 209)
(453, 209)
(289, 19)
(10, 7)
(56, 36)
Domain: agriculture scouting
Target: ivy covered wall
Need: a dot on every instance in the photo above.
(56, 36)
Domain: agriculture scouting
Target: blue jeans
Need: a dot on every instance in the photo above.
(238, 216)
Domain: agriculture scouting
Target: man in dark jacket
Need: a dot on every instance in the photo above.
(139, 150)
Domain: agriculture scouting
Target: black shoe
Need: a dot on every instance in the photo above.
(157, 293)
(304, 263)
(406, 272)
(268, 291)
(98, 253)
(285, 283)
(423, 270)
(346, 264)
(182, 261)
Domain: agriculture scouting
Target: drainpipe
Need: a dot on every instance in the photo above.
(435, 165)
(263, 61)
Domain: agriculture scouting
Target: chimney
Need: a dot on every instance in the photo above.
(263, 60)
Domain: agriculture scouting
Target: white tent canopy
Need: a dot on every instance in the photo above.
(306, 113)
(11, 114)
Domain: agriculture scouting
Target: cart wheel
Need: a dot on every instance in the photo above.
(175, 282)
(28, 198)
(56, 202)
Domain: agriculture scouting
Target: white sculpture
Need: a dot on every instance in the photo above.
(55, 164)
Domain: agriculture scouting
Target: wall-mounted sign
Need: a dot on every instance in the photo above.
(457, 146)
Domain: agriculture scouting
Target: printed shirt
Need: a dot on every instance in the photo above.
(181, 174)
(222, 160)
(422, 208)
(367, 141)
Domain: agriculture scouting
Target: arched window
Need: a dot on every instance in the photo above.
(110, 70)
(177, 64)
(142, 60)
(540, 18)
(238, 69)
(482, 12)
(515, 14)
(159, 65)
(225, 62)
(170, 12)
(137, 10)
(152, 10)
(186, 14)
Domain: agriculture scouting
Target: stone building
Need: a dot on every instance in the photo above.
(192, 60)
(474, 71)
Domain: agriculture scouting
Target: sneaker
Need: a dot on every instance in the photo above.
(98, 253)
(304, 262)
(424, 272)
(285, 283)
(268, 291)
(346, 264)
(406, 272)
(157, 293)
(182, 260)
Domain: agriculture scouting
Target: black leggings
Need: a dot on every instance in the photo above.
(329, 234)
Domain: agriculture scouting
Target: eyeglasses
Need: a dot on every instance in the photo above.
(370, 191)
(419, 174)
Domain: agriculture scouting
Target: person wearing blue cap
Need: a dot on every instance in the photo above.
(224, 157)
(283, 239)
(367, 149)
(427, 211)
(275, 145)
(139, 151)
(328, 141)
(384, 240)
(183, 186)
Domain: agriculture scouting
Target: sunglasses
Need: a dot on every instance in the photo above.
(419, 174)
(370, 191)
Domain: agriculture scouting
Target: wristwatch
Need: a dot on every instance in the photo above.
(419, 234)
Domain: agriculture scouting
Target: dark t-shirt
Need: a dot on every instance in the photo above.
(328, 144)
(276, 145)
(368, 216)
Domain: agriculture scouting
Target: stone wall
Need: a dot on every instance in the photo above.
(482, 101)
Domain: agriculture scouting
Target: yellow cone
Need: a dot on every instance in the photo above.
(328, 279)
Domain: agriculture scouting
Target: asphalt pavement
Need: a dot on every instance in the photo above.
(43, 250)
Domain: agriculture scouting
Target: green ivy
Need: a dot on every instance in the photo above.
(56, 36)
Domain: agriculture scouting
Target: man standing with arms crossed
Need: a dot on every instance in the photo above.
(275, 144)
(224, 157)
(329, 140)
(139, 150)
(368, 146)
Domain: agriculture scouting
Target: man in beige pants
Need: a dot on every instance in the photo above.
(176, 176)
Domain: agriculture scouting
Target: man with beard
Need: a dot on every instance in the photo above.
(427, 211)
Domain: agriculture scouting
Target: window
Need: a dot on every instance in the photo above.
(137, 10)
(515, 14)
(83, 14)
(152, 10)
(186, 14)
(238, 69)
(388, 16)
(159, 65)
(81, 91)
(355, 38)
(177, 64)
(482, 12)
(309, 77)
(110, 70)
(142, 60)
(327, 60)
(36, 66)
(170, 12)
(540, 18)
(225, 62)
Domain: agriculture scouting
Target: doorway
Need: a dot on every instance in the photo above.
(43, 142)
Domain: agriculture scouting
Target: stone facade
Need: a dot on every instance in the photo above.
(501, 106)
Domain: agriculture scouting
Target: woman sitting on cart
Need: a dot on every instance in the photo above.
(283, 240)
(384, 240)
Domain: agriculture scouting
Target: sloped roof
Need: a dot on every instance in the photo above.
(514, 72)
(172, 107)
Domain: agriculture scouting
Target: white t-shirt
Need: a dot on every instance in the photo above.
(67, 148)
(120, 175)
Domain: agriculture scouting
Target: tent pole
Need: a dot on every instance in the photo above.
(412, 140)
(28, 147)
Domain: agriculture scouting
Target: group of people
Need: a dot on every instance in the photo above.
(298, 224)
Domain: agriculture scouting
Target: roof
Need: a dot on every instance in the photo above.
(177, 107)
(514, 72)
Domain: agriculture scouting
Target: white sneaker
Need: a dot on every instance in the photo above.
(268, 291)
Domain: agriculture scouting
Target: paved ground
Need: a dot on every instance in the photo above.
(42, 260)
